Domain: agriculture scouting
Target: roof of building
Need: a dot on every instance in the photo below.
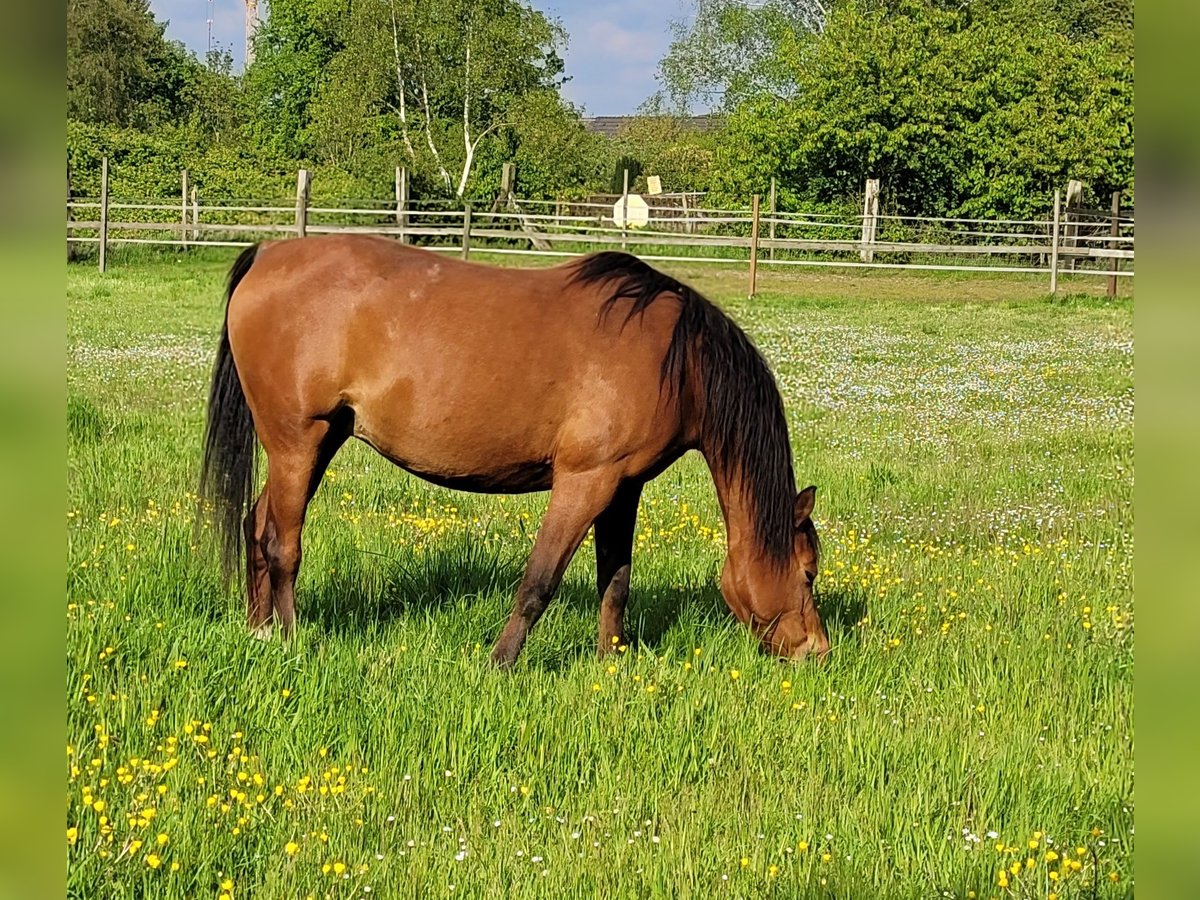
(611, 126)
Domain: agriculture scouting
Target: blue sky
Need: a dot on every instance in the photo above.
(614, 48)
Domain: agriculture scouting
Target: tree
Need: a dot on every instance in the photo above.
(460, 68)
(120, 69)
(293, 49)
(553, 151)
(976, 109)
(731, 50)
(335, 81)
(212, 97)
(671, 148)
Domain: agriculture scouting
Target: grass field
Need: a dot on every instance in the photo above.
(970, 736)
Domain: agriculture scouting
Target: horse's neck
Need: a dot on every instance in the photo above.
(736, 509)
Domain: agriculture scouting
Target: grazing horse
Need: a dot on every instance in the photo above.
(586, 379)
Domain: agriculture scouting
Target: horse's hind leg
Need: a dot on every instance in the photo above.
(294, 472)
(575, 501)
(258, 580)
(614, 555)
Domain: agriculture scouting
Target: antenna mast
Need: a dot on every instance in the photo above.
(251, 28)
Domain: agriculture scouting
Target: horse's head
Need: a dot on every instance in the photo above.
(776, 601)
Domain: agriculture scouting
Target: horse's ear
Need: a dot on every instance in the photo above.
(804, 504)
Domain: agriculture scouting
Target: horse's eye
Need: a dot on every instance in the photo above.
(811, 577)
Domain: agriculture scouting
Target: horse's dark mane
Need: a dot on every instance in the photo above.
(743, 426)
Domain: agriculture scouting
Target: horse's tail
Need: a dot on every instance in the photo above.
(227, 473)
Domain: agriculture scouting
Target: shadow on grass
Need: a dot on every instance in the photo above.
(479, 582)
(841, 610)
(371, 589)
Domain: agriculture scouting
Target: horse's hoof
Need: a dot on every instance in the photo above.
(262, 632)
(503, 658)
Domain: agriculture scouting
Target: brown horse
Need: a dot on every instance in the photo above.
(587, 379)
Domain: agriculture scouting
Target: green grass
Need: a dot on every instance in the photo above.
(972, 442)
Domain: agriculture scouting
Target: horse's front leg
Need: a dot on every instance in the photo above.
(614, 556)
(576, 499)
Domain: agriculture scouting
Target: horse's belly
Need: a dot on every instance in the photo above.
(464, 462)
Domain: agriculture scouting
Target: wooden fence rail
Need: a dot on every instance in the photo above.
(683, 231)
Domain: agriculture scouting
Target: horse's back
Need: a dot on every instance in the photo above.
(449, 367)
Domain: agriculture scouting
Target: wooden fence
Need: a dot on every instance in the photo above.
(678, 227)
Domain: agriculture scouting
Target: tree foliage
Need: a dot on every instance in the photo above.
(427, 81)
(965, 107)
(669, 147)
(122, 71)
(728, 51)
(979, 109)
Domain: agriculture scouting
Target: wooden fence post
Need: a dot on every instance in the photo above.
(1114, 231)
(71, 252)
(1070, 220)
(466, 240)
(1054, 244)
(302, 188)
(625, 210)
(402, 202)
(183, 208)
(195, 216)
(104, 214)
(771, 227)
(870, 219)
(754, 246)
(687, 216)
